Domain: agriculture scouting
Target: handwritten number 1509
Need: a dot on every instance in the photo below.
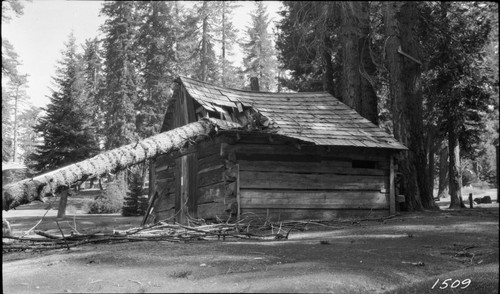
(444, 284)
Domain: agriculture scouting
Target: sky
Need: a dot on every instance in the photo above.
(38, 36)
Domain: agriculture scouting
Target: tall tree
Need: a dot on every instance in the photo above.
(66, 136)
(155, 43)
(13, 83)
(28, 138)
(358, 69)
(259, 58)
(93, 86)
(305, 47)
(459, 79)
(402, 58)
(326, 45)
(228, 36)
(121, 77)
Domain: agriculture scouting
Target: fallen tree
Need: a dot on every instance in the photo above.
(48, 184)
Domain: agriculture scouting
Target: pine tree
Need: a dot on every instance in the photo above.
(67, 138)
(121, 79)
(13, 83)
(93, 86)
(228, 36)
(459, 83)
(198, 41)
(259, 58)
(156, 43)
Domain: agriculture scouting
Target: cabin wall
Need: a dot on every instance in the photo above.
(279, 181)
(172, 175)
(216, 183)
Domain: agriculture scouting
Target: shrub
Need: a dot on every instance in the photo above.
(110, 200)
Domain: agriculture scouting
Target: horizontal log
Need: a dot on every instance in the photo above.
(211, 193)
(210, 161)
(46, 185)
(214, 210)
(315, 153)
(329, 167)
(276, 180)
(210, 177)
(310, 199)
(277, 215)
(209, 148)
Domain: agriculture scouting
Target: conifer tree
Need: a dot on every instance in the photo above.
(121, 79)
(228, 36)
(259, 58)
(93, 83)
(156, 43)
(67, 136)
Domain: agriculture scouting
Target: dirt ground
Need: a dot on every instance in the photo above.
(431, 252)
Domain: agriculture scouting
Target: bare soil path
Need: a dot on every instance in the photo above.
(406, 254)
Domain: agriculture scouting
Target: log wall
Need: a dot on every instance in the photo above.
(279, 181)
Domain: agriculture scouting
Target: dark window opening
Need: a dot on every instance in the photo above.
(364, 164)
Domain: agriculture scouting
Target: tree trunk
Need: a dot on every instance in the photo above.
(443, 171)
(223, 43)
(50, 183)
(357, 66)
(431, 148)
(455, 180)
(400, 19)
(63, 202)
(204, 42)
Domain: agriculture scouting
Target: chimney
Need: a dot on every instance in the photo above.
(254, 84)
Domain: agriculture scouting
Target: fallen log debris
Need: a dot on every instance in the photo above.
(158, 232)
(170, 232)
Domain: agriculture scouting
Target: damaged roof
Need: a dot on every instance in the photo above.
(315, 117)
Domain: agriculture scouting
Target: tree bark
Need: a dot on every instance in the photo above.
(204, 42)
(63, 202)
(443, 171)
(357, 66)
(223, 43)
(400, 19)
(431, 148)
(455, 177)
(38, 188)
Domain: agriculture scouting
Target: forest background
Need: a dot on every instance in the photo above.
(427, 72)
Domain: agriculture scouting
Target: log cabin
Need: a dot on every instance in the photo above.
(295, 156)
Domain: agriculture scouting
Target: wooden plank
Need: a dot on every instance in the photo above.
(330, 167)
(309, 199)
(178, 187)
(210, 177)
(238, 192)
(275, 180)
(277, 215)
(335, 152)
(392, 192)
(208, 149)
(212, 210)
(211, 193)
(192, 172)
(210, 161)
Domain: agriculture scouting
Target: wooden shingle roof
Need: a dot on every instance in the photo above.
(318, 118)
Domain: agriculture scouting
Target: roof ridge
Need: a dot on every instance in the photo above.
(248, 91)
